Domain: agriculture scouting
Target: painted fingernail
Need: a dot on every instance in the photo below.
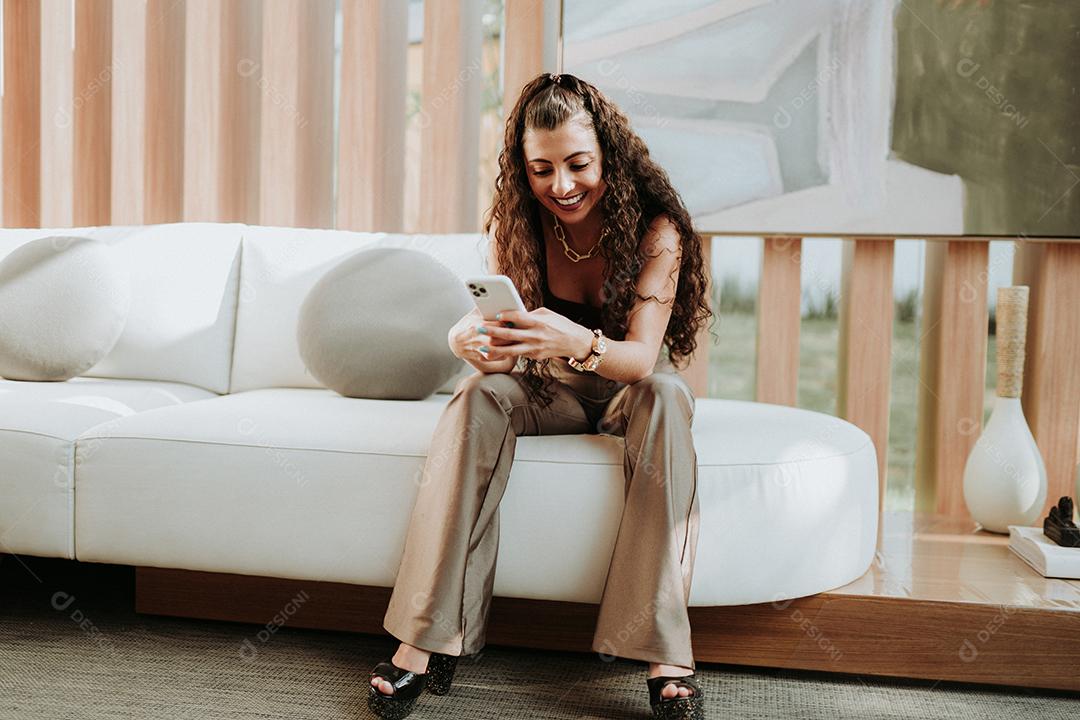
(481, 329)
(509, 324)
(498, 316)
(483, 348)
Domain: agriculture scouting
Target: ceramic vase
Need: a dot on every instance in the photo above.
(1005, 478)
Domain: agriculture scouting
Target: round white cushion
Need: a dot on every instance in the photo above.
(63, 303)
(375, 325)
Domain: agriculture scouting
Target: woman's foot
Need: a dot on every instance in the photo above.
(395, 688)
(671, 690)
(407, 657)
(675, 693)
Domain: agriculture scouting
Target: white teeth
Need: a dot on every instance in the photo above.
(570, 201)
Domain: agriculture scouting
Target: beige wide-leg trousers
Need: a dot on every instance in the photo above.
(442, 594)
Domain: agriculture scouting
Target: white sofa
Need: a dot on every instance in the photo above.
(202, 443)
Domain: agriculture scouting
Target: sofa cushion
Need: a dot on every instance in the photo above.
(301, 483)
(375, 325)
(63, 303)
(280, 267)
(183, 300)
(38, 426)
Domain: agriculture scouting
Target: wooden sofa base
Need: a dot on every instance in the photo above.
(832, 632)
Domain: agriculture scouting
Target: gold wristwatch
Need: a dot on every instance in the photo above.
(589, 364)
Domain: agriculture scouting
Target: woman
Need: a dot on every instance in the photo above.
(579, 206)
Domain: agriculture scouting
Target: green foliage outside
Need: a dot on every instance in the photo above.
(732, 360)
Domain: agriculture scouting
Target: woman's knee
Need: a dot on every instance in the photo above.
(662, 390)
(499, 382)
(503, 387)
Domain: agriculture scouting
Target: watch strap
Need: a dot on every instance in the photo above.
(594, 359)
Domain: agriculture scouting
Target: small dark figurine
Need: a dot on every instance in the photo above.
(1059, 525)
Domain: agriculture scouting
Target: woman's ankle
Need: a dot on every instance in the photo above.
(412, 657)
(657, 669)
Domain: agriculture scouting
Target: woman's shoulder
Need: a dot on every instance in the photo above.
(662, 232)
(662, 222)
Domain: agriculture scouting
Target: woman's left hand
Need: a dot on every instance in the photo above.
(538, 334)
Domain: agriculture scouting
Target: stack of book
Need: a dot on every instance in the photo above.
(1040, 552)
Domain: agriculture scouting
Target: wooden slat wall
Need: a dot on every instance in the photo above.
(450, 111)
(57, 134)
(952, 372)
(164, 111)
(296, 83)
(779, 301)
(222, 61)
(523, 47)
(129, 114)
(864, 361)
(371, 119)
(93, 71)
(22, 114)
(1051, 391)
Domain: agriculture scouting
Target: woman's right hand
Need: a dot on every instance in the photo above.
(465, 342)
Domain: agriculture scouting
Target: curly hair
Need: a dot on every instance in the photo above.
(638, 190)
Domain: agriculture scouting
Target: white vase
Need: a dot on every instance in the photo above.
(1005, 478)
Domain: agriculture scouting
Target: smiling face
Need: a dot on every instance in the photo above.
(564, 168)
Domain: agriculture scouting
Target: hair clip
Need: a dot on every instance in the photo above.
(554, 77)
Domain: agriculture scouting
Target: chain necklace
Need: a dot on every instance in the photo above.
(574, 255)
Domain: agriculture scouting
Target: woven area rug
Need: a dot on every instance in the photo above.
(71, 647)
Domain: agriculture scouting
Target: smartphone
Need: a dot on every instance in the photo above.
(494, 294)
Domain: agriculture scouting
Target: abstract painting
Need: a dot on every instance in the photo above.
(906, 118)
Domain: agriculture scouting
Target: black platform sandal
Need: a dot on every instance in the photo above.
(408, 685)
(691, 707)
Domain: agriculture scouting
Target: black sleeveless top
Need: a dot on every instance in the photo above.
(582, 313)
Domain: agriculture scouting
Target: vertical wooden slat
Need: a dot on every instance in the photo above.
(222, 61)
(57, 125)
(696, 373)
(1051, 392)
(865, 343)
(779, 305)
(371, 117)
(295, 169)
(22, 114)
(164, 103)
(952, 372)
(129, 114)
(529, 46)
(148, 112)
(92, 92)
(450, 116)
(523, 47)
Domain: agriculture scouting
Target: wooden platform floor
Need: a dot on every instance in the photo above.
(935, 558)
(941, 601)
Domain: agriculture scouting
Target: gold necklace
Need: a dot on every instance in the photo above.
(571, 253)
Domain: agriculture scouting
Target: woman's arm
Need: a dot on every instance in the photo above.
(543, 333)
(647, 323)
